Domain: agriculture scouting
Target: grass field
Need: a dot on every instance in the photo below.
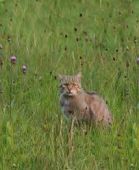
(100, 38)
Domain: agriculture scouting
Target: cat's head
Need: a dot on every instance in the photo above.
(70, 85)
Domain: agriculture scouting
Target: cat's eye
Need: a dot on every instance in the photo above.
(66, 84)
(62, 86)
(76, 85)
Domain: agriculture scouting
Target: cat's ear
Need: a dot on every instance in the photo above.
(79, 75)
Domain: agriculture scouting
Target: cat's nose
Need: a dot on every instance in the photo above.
(69, 90)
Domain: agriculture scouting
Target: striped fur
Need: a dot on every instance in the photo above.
(87, 106)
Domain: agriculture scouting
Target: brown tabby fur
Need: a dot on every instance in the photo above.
(82, 105)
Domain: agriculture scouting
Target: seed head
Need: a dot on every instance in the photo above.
(24, 69)
(81, 14)
(114, 59)
(127, 64)
(75, 29)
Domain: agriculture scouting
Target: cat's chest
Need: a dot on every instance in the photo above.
(73, 103)
(75, 106)
(68, 103)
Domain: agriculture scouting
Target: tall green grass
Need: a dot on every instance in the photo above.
(98, 38)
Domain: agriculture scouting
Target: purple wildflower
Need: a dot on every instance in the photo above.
(13, 59)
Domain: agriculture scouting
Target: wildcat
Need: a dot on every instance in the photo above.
(84, 106)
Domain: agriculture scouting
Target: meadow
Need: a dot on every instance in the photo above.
(100, 38)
